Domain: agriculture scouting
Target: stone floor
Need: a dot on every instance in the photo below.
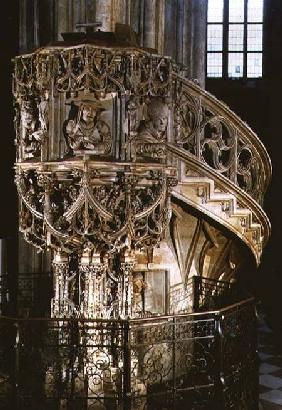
(270, 378)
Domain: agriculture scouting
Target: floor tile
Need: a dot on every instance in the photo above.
(266, 405)
(278, 373)
(264, 356)
(273, 396)
(277, 361)
(268, 349)
(265, 340)
(265, 368)
(263, 389)
(270, 381)
(265, 329)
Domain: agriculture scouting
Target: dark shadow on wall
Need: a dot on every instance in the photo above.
(8, 49)
(8, 200)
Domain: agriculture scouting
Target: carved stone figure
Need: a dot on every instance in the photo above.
(31, 136)
(152, 132)
(132, 123)
(43, 111)
(139, 285)
(154, 128)
(86, 131)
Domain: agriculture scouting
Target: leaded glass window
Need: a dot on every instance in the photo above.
(235, 38)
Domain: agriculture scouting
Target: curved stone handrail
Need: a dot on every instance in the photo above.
(215, 195)
(211, 131)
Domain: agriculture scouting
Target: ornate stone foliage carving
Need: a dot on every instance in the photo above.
(201, 126)
(89, 74)
(74, 206)
(93, 69)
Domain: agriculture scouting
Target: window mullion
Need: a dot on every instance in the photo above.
(245, 48)
(225, 38)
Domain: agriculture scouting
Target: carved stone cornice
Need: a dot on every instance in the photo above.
(91, 68)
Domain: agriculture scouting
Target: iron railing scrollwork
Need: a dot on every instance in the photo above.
(239, 358)
(203, 294)
(199, 294)
(203, 360)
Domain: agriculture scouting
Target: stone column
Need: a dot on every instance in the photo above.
(150, 23)
(170, 43)
(199, 14)
(104, 14)
(136, 16)
(179, 30)
(160, 23)
(61, 17)
(120, 12)
(60, 267)
(29, 25)
(187, 38)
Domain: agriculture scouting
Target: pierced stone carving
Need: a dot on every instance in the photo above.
(74, 207)
(96, 190)
(94, 70)
(217, 145)
(205, 129)
(201, 125)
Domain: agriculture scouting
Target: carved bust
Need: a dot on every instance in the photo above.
(152, 132)
(85, 131)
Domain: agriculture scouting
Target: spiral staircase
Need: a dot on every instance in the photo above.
(232, 193)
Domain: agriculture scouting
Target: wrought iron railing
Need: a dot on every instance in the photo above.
(204, 360)
(203, 294)
(198, 294)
